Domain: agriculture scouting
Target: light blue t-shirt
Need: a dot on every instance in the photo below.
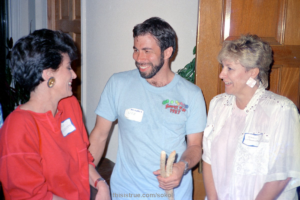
(150, 119)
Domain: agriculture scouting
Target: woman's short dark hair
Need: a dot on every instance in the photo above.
(160, 30)
(38, 51)
(251, 52)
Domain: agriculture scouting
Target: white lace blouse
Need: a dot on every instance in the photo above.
(247, 148)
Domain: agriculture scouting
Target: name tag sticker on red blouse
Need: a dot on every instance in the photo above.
(134, 114)
(252, 139)
(67, 127)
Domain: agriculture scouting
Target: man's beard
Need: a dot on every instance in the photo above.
(154, 70)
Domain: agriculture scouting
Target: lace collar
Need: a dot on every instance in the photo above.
(251, 106)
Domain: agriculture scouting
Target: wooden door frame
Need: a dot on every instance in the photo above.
(51, 14)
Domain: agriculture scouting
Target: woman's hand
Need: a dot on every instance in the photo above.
(103, 191)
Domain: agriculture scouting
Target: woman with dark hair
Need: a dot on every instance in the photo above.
(43, 143)
(251, 143)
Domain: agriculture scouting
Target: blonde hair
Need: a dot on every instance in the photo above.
(251, 52)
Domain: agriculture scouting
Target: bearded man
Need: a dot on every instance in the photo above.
(156, 110)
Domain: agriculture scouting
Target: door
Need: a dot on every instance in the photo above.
(275, 21)
(65, 15)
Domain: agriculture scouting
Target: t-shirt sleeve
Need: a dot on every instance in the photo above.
(20, 161)
(284, 159)
(106, 107)
(197, 118)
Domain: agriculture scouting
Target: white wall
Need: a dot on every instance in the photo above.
(107, 43)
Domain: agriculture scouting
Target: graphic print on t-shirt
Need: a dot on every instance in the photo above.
(175, 106)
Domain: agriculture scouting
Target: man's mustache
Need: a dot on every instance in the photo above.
(138, 64)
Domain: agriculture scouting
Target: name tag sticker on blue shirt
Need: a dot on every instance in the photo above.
(252, 139)
(134, 114)
(67, 127)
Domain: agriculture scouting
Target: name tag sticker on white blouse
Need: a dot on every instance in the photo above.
(134, 114)
(252, 139)
(67, 127)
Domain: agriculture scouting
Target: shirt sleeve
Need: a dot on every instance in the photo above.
(207, 131)
(21, 171)
(106, 107)
(206, 149)
(284, 159)
(197, 117)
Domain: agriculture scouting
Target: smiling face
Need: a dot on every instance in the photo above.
(235, 77)
(147, 55)
(63, 78)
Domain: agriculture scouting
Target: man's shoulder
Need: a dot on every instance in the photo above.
(123, 79)
(125, 74)
(188, 85)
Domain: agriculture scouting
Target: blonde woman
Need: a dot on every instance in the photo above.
(252, 139)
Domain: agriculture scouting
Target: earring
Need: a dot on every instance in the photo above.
(251, 82)
(51, 82)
